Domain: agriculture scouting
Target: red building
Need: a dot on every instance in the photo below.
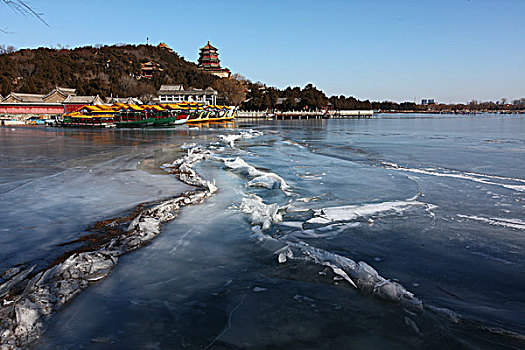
(209, 61)
(58, 101)
(31, 109)
(74, 103)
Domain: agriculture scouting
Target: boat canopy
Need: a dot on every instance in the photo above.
(105, 110)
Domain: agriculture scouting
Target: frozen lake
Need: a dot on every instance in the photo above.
(433, 204)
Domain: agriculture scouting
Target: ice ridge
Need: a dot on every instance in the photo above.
(476, 177)
(28, 299)
(243, 135)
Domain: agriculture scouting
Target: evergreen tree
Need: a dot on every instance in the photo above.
(6, 86)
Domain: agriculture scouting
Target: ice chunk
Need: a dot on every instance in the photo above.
(259, 178)
(241, 167)
(230, 139)
(360, 275)
(261, 214)
(269, 181)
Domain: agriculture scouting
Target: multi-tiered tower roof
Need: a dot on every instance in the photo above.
(209, 61)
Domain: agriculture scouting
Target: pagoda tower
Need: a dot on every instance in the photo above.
(209, 61)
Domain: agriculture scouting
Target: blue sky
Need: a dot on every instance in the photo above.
(450, 50)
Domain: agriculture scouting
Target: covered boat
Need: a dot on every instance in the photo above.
(134, 116)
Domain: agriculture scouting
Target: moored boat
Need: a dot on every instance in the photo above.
(83, 120)
(132, 116)
(135, 116)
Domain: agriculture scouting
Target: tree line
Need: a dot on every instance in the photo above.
(116, 71)
(260, 97)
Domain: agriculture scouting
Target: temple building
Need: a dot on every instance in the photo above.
(165, 46)
(149, 68)
(125, 100)
(177, 93)
(209, 62)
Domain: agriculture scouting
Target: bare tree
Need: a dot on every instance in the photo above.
(7, 49)
(20, 6)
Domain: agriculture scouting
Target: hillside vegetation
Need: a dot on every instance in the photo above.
(116, 70)
(107, 70)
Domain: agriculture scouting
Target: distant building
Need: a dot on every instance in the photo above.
(177, 93)
(164, 46)
(209, 61)
(429, 101)
(73, 103)
(149, 68)
(16, 97)
(57, 101)
(124, 100)
(59, 94)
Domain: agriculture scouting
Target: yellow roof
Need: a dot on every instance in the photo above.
(136, 108)
(104, 107)
(91, 108)
(106, 111)
(153, 107)
(169, 106)
(83, 116)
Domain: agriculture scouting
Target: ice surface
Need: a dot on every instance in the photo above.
(353, 212)
(207, 265)
(23, 313)
(510, 223)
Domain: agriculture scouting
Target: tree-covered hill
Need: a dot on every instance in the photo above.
(98, 70)
(116, 70)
